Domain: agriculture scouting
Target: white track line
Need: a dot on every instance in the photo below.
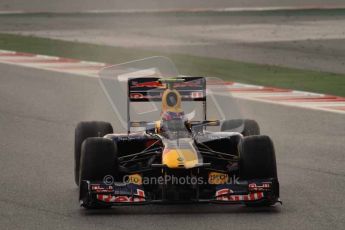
(285, 97)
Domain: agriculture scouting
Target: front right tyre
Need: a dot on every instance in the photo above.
(98, 160)
(83, 131)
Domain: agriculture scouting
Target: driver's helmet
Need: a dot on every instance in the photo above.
(172, 117)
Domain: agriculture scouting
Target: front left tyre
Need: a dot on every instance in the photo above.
(258, 162)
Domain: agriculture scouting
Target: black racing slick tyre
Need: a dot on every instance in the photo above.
(98, 160)
(258, 161)
(83, 131)
(246, 127)
(257, 158)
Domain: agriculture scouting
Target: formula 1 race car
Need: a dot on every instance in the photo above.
(172, 158)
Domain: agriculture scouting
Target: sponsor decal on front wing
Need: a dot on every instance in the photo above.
(139, 196)
(227, 195)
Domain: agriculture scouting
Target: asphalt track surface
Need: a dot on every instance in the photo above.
(39, 110)
(80, 5)
(313, 41)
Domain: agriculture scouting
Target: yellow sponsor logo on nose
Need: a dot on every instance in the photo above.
(135, 179)
(217, 178)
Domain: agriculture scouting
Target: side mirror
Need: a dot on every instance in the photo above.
(137, 124)
(213, 123)
(148, 127)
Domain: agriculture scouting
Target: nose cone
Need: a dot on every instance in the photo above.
(177, 158)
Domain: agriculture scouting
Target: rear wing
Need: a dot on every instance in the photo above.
(151, 89)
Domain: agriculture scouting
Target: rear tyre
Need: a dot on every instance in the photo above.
(98, 159)
(83, 131)
(246, 127)
(258, 161)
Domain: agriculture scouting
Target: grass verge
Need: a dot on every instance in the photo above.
(322, 82)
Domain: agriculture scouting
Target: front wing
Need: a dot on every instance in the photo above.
(94, 194)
